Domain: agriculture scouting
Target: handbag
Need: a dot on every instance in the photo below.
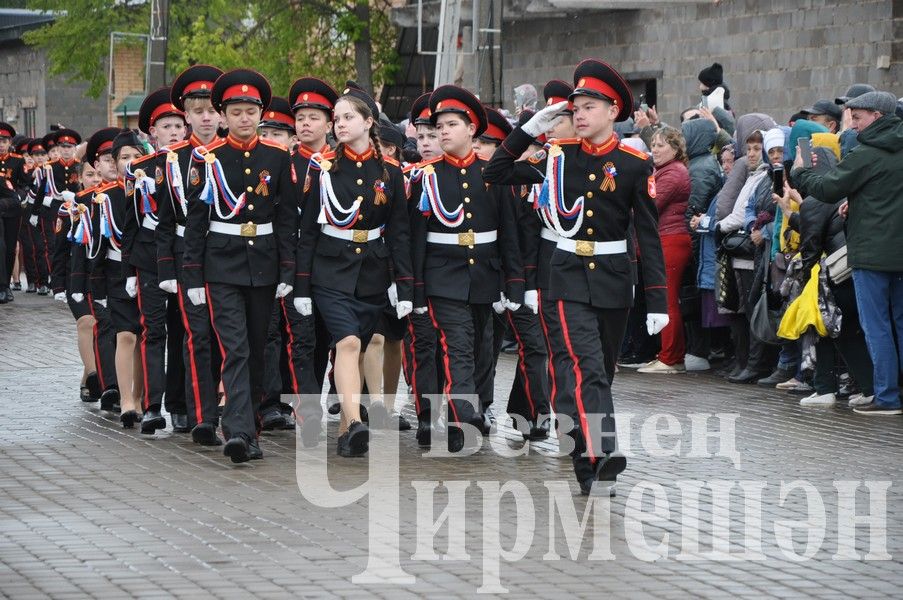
(727, 296)
(764, 320)
(690, 302)
(838, 269)
(738, 244)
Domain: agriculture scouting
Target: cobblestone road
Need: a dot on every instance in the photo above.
(88, 509)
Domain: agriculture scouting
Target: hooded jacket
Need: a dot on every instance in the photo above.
(705, 172)
(871, 178)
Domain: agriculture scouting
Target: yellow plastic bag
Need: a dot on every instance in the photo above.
(803, 312)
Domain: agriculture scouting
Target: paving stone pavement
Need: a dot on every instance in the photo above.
(88, 509)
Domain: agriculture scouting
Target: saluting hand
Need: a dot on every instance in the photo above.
(544, 120)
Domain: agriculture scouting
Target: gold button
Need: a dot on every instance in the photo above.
(247, 154)
(589, 213)
(591, 266)
(250, 189)
(589, 231)
(360, 217)
(357, 250)
(472, 261)
(250, 207)
(470, 231)
(589, 194)
(592, 176)
(360, 198)
(463, 171)
(360, 182)
(466, 200)
(464, 185)
(250, 242)
(247, 171)
(359, 164)
(469, 215)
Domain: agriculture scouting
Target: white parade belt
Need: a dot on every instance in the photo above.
(462, 239)
(113, 254)
(180, 230)
(248, 229)
(149, 222)
(548, 234)
(588, 248)
(359, 236)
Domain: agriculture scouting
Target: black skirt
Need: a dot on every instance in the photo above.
(345, 314)
(124, 315)
(78, 309)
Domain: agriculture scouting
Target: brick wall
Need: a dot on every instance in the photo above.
(128, 77)
(778, 55)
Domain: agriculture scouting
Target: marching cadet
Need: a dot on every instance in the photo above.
(108, 276)
(13, 179)
(240, 242)
(591, 188)
(98, 154)
(350, 244)
(161, 323)
(42, 214)
(71, 213)
(190, 93)
(422, 358)
(27, 260)
(463, 243)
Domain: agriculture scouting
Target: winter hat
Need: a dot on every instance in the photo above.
(882, 102)
(854, 91)
(773, 138)
(712, 76)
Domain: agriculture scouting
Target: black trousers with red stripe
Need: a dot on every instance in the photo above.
(161, 330)
(29, 258)
(104, 344)
(422, 363)
(529, 395)
(201, 358)
(43, 241)
(289, 360)
(465, 343)
(9, 234)
(586, 344)
(241, 317)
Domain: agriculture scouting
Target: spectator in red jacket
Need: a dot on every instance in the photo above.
(672, 193)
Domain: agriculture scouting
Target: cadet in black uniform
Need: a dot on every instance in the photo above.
(190, 93)
(161, 323)
(38, 153)
(13, 179)
(464, 241)
(595, 184)
(354, 235)
(240, 243)
(42, 213)
(27, 260)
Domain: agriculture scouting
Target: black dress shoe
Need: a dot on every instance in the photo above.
(272, 419)
(355, 441)
(152, 421)
(237, 449)
(179, 423)
(205, 435)
(92, 382)
(377, 415)
(541, 431)
(397, 421)
(424, 434)
(746, 377)
(334, 408)
(254, 451)
(455, 441)
(610, 466)
(31, 289)
(310, 433)
(109, 398)
(129, 418)
(16, 287)
(487, 421)
(43, 290)
(289, 422)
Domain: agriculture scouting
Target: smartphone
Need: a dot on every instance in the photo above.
(777, 181)
(804, 147)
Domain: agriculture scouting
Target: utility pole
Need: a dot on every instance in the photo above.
(155, 76)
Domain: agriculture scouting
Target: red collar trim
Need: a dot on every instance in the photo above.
(349, 153)
(307, 152)
(239, 145)
(74, 161)
(195, 141)
(601, 149)
(461, 162)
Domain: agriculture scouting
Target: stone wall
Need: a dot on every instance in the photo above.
(778, 55)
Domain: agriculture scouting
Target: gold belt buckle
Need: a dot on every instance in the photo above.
(466, 239)
(359, 236)
(585, 248)
(249, 229)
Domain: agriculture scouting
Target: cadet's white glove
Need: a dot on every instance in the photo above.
(531, 301)
(499, 307)
(102, 302)
(304, 306)
(393, 295)
(60, 296)
(169, 285)
(197, 296)
(78, 298)
(512, 306)
(131, 286)
(544, 120)
(655, 322)
(33, 220)
(283, 290)
(67, 196)
(421, 310)
(403, 309)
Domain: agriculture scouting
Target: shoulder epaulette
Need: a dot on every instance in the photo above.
(86, 192)
(392, 161)
(329, 154)
(408, 168)
(106, 186)
(430, 161)
(14, 155)
(144, 159)
(565, 141)
(633, 151)
(273, 144)
(178, 145)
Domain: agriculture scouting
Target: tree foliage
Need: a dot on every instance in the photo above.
(283, 39)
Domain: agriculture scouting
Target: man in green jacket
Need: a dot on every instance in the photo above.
(870, 177)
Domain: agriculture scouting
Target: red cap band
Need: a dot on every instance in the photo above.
(272, 115)
(5, 132)
(597, 85)
(66, 139)
(40, 148)
(163, 110)
(556, 99)
(104, 147)
(494, 132)
(242, 90)
(312, 98)
(456, 105)
(197, 86)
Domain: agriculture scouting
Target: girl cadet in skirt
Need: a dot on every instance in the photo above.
(348, 248)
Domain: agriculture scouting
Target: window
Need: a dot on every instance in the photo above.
(28, 122)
